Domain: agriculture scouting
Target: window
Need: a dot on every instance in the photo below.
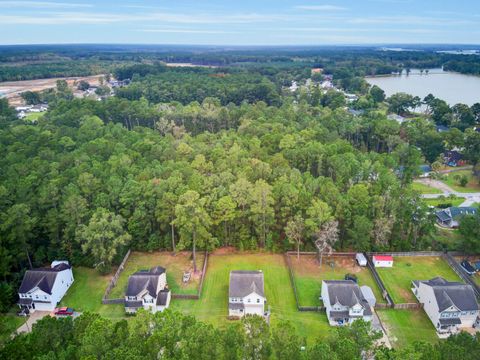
(249, 300)
(45, 297)
(258, 301)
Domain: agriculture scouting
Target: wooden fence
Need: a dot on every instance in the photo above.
(292, 280)
(200, 285)
(463, 275)
(408, 306)
(113, 282)
(379, 281)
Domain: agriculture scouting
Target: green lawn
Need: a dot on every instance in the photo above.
(472, 186)
(453, 201)
(87, 291)
(175, 266)
(398, 279)
(9, 322)
(425, 189)
(309, 276)
(406, 326)
(213, 304)
(32, 117)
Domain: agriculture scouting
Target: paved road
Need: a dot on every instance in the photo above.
(470, 198)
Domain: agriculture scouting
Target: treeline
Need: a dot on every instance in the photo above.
(170, 335)
(466, 64)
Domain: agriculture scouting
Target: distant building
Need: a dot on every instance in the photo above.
(147, 289)
(453, 158)
(246, 295)
(425, 171)
(42, 289)
(397, 118)
(442, 128)
(382, 260)
(317, 70)
(361, 259)
(294, 86)
(344, 302)
(450, 217)
(450, 306)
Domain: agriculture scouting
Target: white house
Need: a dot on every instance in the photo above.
(147, 289)
(382, 260)
(450, 306)
(344, 302)
(42, 289)
(246, 294)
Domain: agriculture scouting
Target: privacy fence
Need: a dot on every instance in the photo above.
(113, 282)
(200, 284)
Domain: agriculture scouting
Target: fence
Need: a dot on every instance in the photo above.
(379, 282)
(408, 306)
(412, 253)
(292, 280)
(200, 285)
(113, 282)
(460, 272)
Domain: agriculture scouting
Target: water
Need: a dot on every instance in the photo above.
(452, 87)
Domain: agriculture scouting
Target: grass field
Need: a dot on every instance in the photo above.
(32, 117)
(424, 189)
(308, 276)
(213, 304)
(175, 266)
(10, 322)
(454, 201)
(87, 291)
(472, 186)
(398, 279)
(406, 326)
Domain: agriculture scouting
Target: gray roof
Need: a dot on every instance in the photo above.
(144, 280)
(162, 297)
(43, 278)
(133, 304)
(24, 301)
(448, 293)
(455, 212)
(450, 321)
(236, 306)
(243, 283)
(347, 293)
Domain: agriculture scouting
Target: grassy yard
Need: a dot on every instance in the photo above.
(406, 326)
(175, 266)
(32, 117)
(472, 186)
(398, 279)
(87, 291)
(424, 189)
(9, 322)
(454, 201)
(213, 304)
(309, 276)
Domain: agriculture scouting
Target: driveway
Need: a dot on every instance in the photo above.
(32, 319)
(377, 325)
(470, 198)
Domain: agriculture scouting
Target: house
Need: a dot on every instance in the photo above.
(344, 302)
(246, 295)
(450, 217)
(442, 128)
(147, 289)
(316, 71)
(350, 97)
(42, 289)
(294, 86)
(356, 112)
(361, 259)
(382, 260)
(425, 171)
(449, 305)
(453, 158)
(368, 294)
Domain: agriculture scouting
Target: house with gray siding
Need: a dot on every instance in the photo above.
(246, 294)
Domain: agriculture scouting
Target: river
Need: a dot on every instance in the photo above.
(452, 87)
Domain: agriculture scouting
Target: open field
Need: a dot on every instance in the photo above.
(213, 304)
(398, 279)
(406, 326)
(425, 189)
(87, 291)
(175, 266)
(472, 186)
(13, 89)
(309, 276)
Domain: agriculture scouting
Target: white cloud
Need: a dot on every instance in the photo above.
(41, 4)
(321, 7)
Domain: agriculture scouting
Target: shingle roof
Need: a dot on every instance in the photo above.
(133, 304)
(449, 294)
(162, 297)
(450, 321)
(236, 306)
(347, 293)
(43, 278)
(243, 283)
(144, 280)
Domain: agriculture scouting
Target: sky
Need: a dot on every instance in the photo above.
(240, 22)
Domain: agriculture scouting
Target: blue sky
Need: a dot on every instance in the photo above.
(240, 22)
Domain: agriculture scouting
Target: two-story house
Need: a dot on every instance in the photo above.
(246, 294)
(449, 305)
(344, 302)
(42, 289)
(147, 289)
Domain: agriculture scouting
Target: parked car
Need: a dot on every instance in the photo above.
(63, 311)
(469, 269)
(351, 277)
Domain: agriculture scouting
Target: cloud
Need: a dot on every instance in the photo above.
(41, 4)
(321, 7)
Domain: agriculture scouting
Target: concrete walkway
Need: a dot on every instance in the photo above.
(377, 325)
(32, 319)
